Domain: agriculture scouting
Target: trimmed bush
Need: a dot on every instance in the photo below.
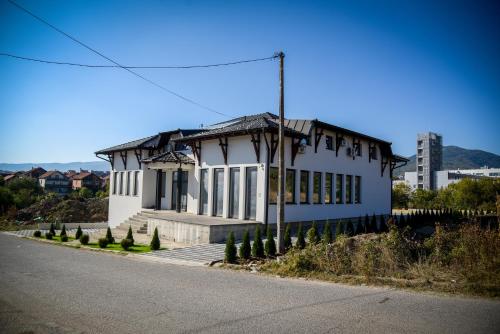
(312, 234)
(339, 228)
(245, 249)
(63, 231)
(52, 229)
(37, 234)
(301, 242)
(84, 239)
(129, 235)
(383, 225)
(109, 236)
(368, 228)
(257, 246)
(155, 242)
(103, 242)
(230, 251)
(270, 247)
(49, 236)
(64, 238)
(126, 244)
(349, 228)
(327, 233)
(359, 227)
(373, 224)
(78, 233)
(287, 238)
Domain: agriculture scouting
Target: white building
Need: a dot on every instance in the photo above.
(444, 178)
(226, 176)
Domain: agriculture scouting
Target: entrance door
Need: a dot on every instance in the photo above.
(234, 192)
(184, 190)
(251, 193)
(218, 195)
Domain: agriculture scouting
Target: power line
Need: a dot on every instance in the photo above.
(45, 61)
(117, 64)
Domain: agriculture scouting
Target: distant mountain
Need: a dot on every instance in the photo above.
(455, 157)
(88, 165)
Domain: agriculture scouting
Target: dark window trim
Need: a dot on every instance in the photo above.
(331, 142)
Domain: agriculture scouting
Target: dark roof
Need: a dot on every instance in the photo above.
(81, 176)
(50, 173)
(151, 142)
(174, 157)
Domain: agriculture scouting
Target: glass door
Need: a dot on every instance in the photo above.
(251, 193)
(204, 192)
(218, 191)
(234, 192)
(184, 188)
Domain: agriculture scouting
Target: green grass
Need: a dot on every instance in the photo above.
(117, 247)
(58, 238)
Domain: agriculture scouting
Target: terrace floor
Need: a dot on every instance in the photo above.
(190, 218)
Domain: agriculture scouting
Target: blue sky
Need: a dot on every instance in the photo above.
(386, 68)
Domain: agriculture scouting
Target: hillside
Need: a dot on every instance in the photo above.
(88, 165)
(455, 157)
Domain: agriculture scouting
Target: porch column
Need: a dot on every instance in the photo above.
(179, 189)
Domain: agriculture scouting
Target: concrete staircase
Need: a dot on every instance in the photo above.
(138, 222)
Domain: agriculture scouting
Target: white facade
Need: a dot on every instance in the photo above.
(127, 198)
(444, 178)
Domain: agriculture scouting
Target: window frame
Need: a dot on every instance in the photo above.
(330, 193)
(294, 191)
(329, 140)
(273, 200)
(136, 184)
(115, 180)
(357, 189)
(319, 199)
(339, 190)
(348, 189)
(307, 174)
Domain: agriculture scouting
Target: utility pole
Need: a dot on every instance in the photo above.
(281, 161)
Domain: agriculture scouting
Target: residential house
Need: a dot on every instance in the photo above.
(86, 179)
(55, 181)
(35, 172)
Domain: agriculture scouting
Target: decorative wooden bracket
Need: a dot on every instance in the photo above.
(123, 155)
(338, 141)
(356, 146)
(138, 156)
(196, 150)
(223, 146)
(383, 164)
(111, 157)
(256, 145)
(295, 148)
(371, 148)
(272, 145)
(318, 133)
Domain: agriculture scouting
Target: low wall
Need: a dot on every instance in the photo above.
(191, 233)
(46, 226)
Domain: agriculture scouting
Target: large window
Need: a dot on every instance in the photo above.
(304, 187)
(136, 183)
(218, 191)
(234, 192)
(115, 180)
(128, 184)
(251, 193)
(317, 188)
(121, 183)
(273, 185)
(357, 189)
(348, 189)
(328, 188)
(290, 186)
(339, 189)
(204, 192)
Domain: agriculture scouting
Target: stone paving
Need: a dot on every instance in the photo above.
(29, 233)
(203, 254)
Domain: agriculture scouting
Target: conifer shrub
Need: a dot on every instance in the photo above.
(383, 225)
(245, 248)
(78, 233)
(84, 239)
(373, 224)
(327, 233)
(37, 234)
(52, 229)
(312, 234)
(359, 227)
(270, 246)
(130, 235)
(109, 236)
(64, 238)
(103, 242)
(230, 251)
(339, 228)
(368, 228)
(257, 246)
(287, 238)
(49, 236)
(301, 242)
(63, 230)
(126, 244)
(155, 242)
(349, 228)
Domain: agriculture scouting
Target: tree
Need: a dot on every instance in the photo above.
(401, 195)
(52, 229)
(109, 236)
(230, 251)
(301, 242)
(339, 228)
(327, 233)
(245, 249)
(312, 234)
(287, 238)
(359, 227)
(63, 231)
(270, 247)
(78, 233)
(130, 236)
(85, 193)
(349, 229)
(257, 246)
(6, 199)
(155, 242)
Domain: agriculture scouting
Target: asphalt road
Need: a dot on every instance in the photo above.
(50, 289)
